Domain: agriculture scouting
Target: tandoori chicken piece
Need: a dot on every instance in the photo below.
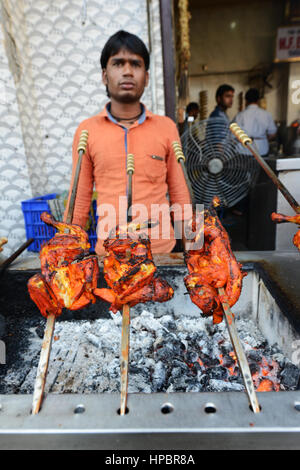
(69, 275)
(3, 240)
(129, 270)
(211, 267)
(295, 219)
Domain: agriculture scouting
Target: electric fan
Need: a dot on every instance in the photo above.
(216, 163)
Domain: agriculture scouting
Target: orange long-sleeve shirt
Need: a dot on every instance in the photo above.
(157, 172)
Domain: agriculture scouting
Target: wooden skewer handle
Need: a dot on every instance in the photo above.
(178, 151)
(240, 134)
(130, 163)
(81, 150)
(83, 141)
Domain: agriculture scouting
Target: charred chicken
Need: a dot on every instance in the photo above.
(295, 219)
(129, 270)
(68, 274)
(211, 267)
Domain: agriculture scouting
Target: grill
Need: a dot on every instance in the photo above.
(165, 410)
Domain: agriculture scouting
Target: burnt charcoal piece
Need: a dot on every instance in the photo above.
(159, 376)
(290, 377)
(191, 357)
(169, 348)
(209, 361)
(254, 368)
(222, 386)
(237, 378)
(218, 373)
(254, 355)
(228, 361)
(184, 383)
(40, 329)
(196, 368)
(182, 365)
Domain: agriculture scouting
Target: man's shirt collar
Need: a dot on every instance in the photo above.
(106, 113)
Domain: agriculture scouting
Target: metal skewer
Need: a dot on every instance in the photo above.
(126, 308)
(40, 381)
(247, 142)
(239, 352)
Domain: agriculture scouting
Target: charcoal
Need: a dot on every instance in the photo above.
(218, 373)
(40, 331)
(196, 368)
(222, 386)
(194, 387)
(168, 322)
(208, 360)
(159, 376)
(192, 356)
(176, 372)
(236, 378)
(182, 365)
(219, 338)
(211, 328)
(254, 367)
(165, 354)
(254, 355)
(193, 384)
(228, 361)
(181, 383)
(290, 376)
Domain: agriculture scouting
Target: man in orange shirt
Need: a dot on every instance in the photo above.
(125, 126)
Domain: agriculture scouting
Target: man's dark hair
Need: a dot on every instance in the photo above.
(124, 40)
(192, 106)
(252, 95)
(222, 89)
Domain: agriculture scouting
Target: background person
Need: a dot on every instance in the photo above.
(257, 123)
(224, 99)
(192, 111)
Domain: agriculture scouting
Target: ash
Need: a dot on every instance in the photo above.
(167, 354)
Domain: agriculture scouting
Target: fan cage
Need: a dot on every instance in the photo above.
(217, 164)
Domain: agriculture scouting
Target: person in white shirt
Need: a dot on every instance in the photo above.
(257, 123)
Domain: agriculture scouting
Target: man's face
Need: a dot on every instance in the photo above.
(226, 100)
(125, 76)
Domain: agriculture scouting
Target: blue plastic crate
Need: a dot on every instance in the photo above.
(41, 232)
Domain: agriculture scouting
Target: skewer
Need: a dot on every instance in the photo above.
(239, 352)
(41, 377)
(181, 159)
(126, 308)
(9, 260)
(247, 142)
(124, 357)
